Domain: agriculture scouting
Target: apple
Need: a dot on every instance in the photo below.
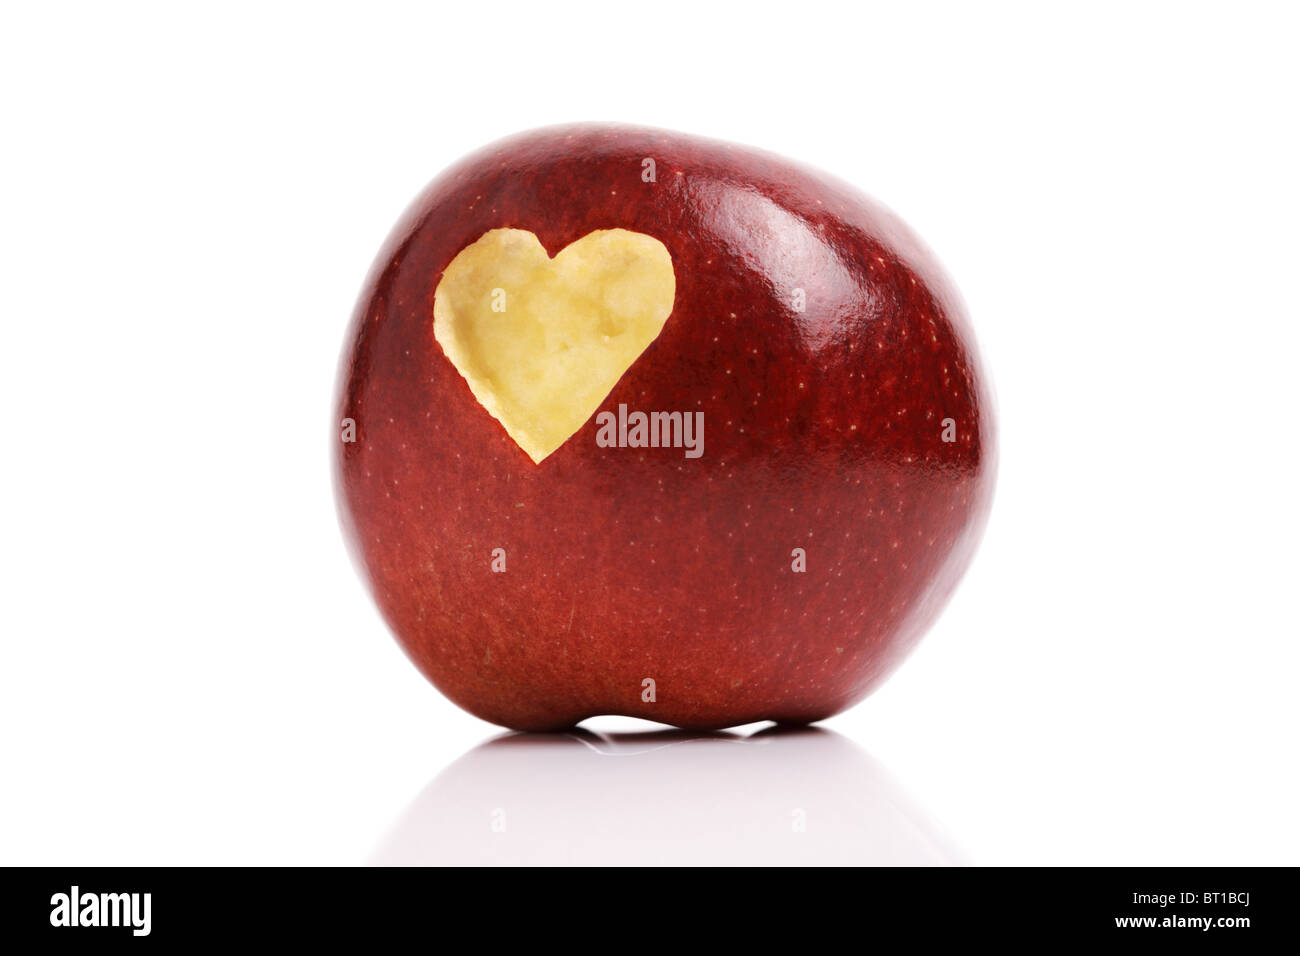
(633, 422)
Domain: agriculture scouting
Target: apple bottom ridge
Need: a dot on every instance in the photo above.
(544, 720)
(548, 726)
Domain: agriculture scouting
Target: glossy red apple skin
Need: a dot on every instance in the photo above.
(823, 431)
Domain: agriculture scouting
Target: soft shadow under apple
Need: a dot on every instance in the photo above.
(778, 796)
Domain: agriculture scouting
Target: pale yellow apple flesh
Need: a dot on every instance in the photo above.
(541, 341)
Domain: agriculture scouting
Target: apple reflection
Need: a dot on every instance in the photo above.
(775, 797)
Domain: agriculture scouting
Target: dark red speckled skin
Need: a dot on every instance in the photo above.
(822, 432)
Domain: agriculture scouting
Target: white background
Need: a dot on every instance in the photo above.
(193, 673)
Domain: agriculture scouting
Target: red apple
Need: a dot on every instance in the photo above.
(797, 525)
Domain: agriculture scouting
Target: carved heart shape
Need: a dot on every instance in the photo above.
(541, 341)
